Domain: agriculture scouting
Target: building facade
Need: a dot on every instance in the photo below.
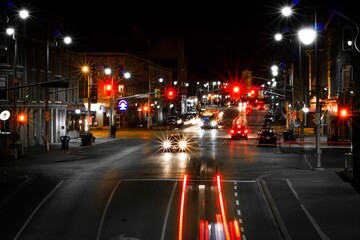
(41, 77)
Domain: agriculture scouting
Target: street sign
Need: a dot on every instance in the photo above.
(122, 105)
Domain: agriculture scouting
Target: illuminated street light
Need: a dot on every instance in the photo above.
(308, 36)
(110, 88)
(305, 110)
(11, 31)
(47, 112)
(86, 70)
(108, 71)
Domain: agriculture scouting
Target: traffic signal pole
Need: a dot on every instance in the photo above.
(111, 112)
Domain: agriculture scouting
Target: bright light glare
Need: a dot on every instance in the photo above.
(107, 71)
(67, 40)
(24, 14)
(10, 31)
(343, 113)
(127, 75)
(286, 11)
(167, 144)
(182, 144)
(278, 37)
(307, 35)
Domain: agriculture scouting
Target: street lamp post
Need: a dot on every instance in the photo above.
(318, 109)
(67, 40)
(149, 100)
(112, 127)
(86, 71)
(12, 32)
(111, 110)
(307, 36)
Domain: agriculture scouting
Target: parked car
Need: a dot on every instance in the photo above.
(239, 131)
(267, 136)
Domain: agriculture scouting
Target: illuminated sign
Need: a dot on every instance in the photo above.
(122, 105)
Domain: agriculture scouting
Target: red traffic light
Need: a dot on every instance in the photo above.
(108, 89)
(170, 94)
(236, 92)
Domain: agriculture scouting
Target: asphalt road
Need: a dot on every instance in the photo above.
(130, 189)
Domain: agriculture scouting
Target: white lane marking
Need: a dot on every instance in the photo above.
(105, 210)
(307, 162)
(239, 212)
(37, 208)
(168, 211)
(235, 187)
(311, 218)
(235, 194)
(237, 202)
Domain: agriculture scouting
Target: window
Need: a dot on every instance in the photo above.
(57, 66)
(4, 55)
(347, 79)
(348, 39)
(3, 86)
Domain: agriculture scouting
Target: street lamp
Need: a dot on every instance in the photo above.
(126, 75)
(308, 36)
(108, 71)
(23, 14)
(66, 40)
(86, 70)
(305, 110)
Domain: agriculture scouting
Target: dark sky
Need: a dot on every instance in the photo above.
(219, 41)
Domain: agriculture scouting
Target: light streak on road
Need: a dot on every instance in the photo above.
(226, 228)
(181, 218)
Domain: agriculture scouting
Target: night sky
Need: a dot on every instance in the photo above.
(220, 41)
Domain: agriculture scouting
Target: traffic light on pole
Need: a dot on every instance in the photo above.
(236, 92)
(108, 89)
(170, 94)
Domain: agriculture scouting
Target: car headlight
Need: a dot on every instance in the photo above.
(167, 144)
(182, 144)
(213, 123)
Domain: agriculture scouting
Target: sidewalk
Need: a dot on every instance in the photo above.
(12, 181)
